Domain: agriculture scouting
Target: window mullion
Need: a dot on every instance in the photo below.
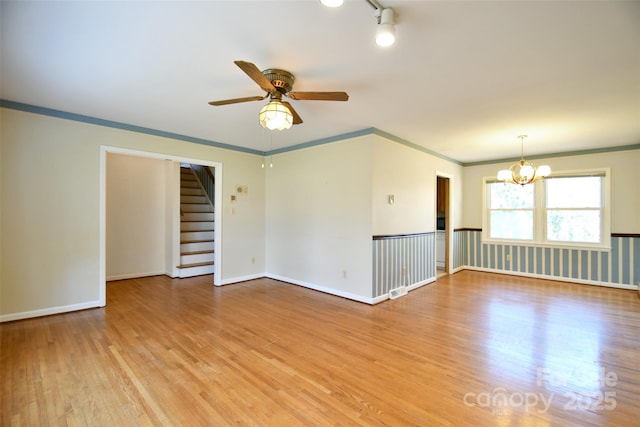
(540, 212)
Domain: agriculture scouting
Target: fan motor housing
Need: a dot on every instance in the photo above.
(280, 79)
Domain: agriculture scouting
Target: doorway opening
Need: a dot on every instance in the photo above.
(197, 220)
(443, 224)
(168, 222)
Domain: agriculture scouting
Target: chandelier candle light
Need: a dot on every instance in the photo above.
(523, 172)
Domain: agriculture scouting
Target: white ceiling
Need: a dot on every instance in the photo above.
(464, 78)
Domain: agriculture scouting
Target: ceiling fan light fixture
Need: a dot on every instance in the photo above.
(275, 116)
(385, 31)
(332, 3)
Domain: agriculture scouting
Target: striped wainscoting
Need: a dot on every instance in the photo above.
(458, 250)
(619, 267)
(405, 260)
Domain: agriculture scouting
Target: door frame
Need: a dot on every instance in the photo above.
(106, 149)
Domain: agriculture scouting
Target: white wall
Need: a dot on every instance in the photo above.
(319, 217)
(326, 202)
(50, 189)
(410, 175)
(136, 230)
(625, 197)
(314, 229)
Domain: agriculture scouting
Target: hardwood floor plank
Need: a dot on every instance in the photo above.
(471, 349)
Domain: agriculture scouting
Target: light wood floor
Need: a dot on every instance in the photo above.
(472, 349)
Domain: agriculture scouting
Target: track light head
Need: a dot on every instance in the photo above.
(385, 31)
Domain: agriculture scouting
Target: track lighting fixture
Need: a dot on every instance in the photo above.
(385, 31)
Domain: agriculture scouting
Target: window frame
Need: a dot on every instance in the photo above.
(531, 209)
(540, 213)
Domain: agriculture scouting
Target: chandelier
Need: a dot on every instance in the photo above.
(523, 172)
(275, 116)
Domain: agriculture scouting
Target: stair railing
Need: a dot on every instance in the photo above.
(207, 180)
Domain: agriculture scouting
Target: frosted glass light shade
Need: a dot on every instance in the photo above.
(332, 3)
(544, 171)
(526, 170)
(504, 175)
(385, 35)
(275, 116)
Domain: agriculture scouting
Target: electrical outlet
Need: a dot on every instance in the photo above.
(344, 274)
(507, 257)
(404, 270)
(253, 260)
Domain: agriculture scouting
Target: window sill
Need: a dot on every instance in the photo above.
(604, 247)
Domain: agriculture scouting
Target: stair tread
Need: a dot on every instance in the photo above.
(196, 253)
(196, 241)
(197, 220)
(198, 264)
(189, 206)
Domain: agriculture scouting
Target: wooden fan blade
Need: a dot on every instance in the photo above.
(236, 100)
(256, 75)
(319, 96)
(296, 118)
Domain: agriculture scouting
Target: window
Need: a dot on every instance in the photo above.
(511, 211)
(574, 209)
(563, 210)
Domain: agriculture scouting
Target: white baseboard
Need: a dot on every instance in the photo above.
(421, 283)
(48, 311)
(239, 279)
(410, 288)
(556, 278)
(135, 275)
(381, 298)
(324, 289)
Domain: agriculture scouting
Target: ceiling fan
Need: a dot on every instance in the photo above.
(278, 114)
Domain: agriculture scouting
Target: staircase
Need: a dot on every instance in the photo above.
(196, 227)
